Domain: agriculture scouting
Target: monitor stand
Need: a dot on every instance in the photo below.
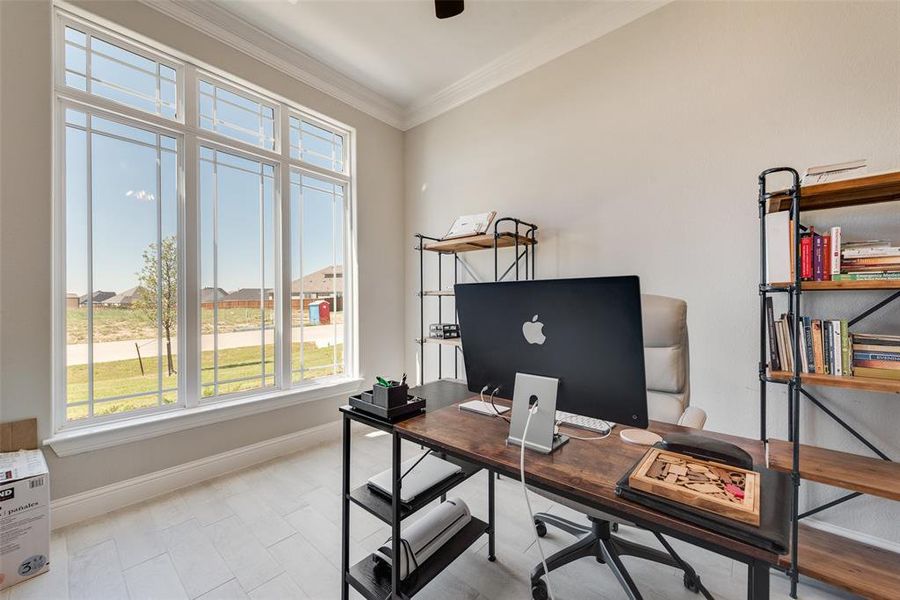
(542, 435)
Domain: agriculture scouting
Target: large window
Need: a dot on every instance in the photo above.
(202, 257)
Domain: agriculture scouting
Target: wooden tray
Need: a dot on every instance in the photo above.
(652, 475)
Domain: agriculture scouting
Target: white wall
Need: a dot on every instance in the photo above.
(639, 153)
(25, 243)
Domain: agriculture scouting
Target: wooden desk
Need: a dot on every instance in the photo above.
(584, 471)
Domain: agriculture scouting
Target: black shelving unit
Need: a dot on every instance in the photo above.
(820, 197)
(375, 584)
(508, 232)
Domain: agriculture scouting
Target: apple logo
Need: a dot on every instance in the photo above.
(533, 331)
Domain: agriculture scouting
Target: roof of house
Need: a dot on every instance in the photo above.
(125, 298)
(98, 297)
(208, 294)
(323, 281)
(247, 294)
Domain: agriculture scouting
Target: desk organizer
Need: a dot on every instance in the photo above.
(364, 403)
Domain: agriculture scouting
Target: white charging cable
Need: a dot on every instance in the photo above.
(537, 538)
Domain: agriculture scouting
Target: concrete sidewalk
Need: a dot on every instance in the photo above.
(77, 354)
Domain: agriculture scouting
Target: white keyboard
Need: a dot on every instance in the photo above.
(582, 422)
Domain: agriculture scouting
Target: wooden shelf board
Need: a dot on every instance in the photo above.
(854, 566)
(478, 242)
(871, 384)
(444, 341)
(841, 469)
(377, 586)
(819, 286)
(859, 191)
(438, 293)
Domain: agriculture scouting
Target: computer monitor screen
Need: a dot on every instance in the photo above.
(587, 333)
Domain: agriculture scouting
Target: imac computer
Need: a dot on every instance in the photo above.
(575, 345)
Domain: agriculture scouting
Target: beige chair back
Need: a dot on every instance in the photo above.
(666, 357)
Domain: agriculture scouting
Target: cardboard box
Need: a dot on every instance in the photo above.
(24, 516)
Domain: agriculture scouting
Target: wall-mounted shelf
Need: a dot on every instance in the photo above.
(859, 191)
(444, 293)
(444, 341)
(840, 469)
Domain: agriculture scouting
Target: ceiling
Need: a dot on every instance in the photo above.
(395, 54)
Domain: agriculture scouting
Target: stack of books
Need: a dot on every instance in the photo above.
(869, 260)
(876, 355)
(824, 344)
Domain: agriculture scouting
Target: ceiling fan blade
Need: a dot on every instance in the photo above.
(444, 9)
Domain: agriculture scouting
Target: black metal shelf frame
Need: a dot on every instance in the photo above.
(522, 266)
(796, 388)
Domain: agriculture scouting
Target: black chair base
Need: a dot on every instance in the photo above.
(598, 542)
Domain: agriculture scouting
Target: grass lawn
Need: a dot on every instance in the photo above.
(124, 377)
(118, 324)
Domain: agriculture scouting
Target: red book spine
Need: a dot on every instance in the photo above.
(806, 262)
(826, 257)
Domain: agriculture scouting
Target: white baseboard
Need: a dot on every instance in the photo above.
(93, 503)
(854, 535)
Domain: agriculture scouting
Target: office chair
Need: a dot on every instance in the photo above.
(667, 368)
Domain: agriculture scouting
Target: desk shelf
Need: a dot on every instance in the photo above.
(859, 191)
(837, 286)
(479, 242)
(379, 505)
(374, 587)
(860, 568)
(841, 469)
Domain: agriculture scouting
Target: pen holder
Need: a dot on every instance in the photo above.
(390, 397)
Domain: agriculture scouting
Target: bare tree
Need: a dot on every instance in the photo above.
(157, 296)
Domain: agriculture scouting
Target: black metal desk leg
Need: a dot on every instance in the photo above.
(395, 517)
(757, 580)
(345, 513)
(491, 521)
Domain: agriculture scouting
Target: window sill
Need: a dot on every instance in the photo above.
(96, 437)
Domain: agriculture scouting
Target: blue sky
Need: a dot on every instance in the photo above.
(126, 198)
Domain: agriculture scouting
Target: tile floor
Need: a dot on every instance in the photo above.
(273, 532)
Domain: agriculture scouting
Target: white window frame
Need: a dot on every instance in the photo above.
(191, 409)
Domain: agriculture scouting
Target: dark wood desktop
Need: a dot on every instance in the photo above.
(584, 471)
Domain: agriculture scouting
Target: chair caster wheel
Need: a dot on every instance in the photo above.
(492, 559)
(540, 527)
(692, 582)
(539, 590)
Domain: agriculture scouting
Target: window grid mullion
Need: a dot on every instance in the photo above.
(185, 127)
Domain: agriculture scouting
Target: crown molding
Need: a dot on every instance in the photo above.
(222, 25)
(600, 19)
(214, 20)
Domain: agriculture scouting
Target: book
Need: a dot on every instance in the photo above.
(826, 257)
(888, 365)
(467, 225)
(845, 349)
(835, 172)
(870, 276)
(787, 357)
(774, 362)
(835, 251)
(864, 252)
(810, 344)
(779, 338)
(806, 256)
(818, 349)
(872, 260)
(804, 363)
(828, 347)
(836, 349)
(876, 373)
(889, 356)
(818, 257)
